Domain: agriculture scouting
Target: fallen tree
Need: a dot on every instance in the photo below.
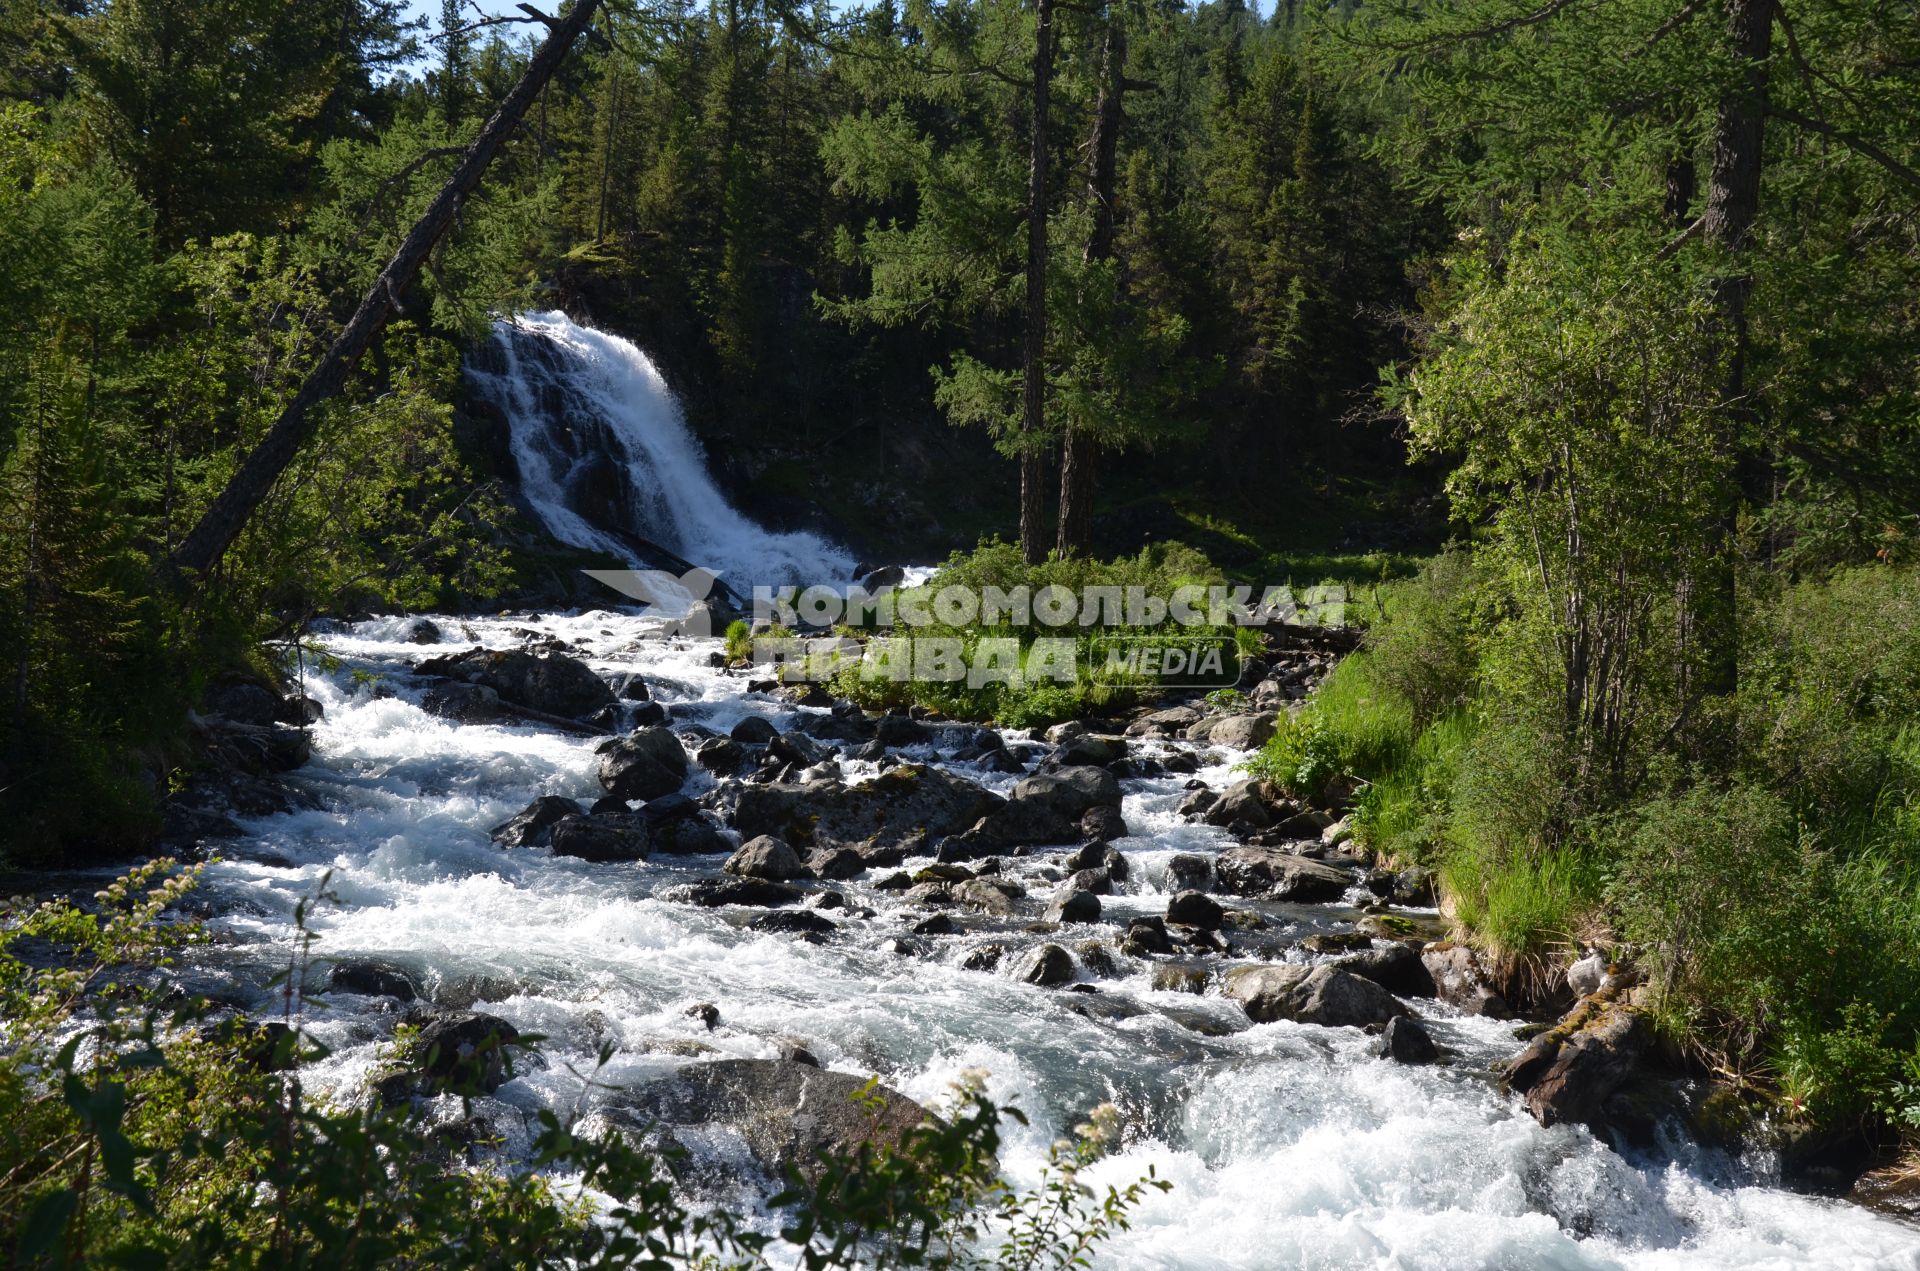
(202, 549)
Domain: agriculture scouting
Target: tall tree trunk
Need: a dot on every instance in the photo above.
(222, 522)
(1033, 359)
(1080, 449)
(1733, 201)
(1733, 188)
(1033, 504)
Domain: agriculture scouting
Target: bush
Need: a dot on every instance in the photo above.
(1422, 644)
(1352, 725)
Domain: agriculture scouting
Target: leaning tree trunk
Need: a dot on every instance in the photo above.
(1080, 449)
(1733, 202)
(222, 522)
(1033, 359)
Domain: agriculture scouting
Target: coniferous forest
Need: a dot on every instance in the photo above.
(1575, 344)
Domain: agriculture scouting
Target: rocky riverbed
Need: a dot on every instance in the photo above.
(578, 827)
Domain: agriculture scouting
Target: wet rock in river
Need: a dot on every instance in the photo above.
(803, 922)
(463, 703)
(372, 979)
(755, 892)
(1247, 802)
(1195, 909)
(754, 731)
(1241, 732)
(1171, 722)
(554, 685)
(1086, 750)
(645, 764)
(1069, 792)
(1278, 875)
(769, 858)
(887, 810)
(787, 1114)
(1102, 824)
(607, 838)
(836, 863)
(532, 825)
(1406, 1041)
(988, 896)
(1568, 1073)
(722, 755)
(1189, 872)
(1146, 935)
(1396, 968)
(1310, 995)
(1073, 904)
(1460, 981)
(1047, 965)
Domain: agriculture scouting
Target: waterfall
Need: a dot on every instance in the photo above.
(608, 464)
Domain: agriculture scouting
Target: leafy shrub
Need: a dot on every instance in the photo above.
(1422, 645)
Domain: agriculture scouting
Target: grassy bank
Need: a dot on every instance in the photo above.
(1764, 880)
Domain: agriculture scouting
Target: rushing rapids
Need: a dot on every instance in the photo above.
(1288, 1145)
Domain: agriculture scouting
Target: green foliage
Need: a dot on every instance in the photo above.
(739, 640)
(1038, 700)
(156, 1135)
(1353, 725)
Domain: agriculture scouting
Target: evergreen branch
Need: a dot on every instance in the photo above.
(1852, 141)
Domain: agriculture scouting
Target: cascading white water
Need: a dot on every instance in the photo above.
(602, 447)
(1288, 1145)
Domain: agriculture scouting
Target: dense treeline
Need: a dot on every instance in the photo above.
(800, 211)
(1661, 700)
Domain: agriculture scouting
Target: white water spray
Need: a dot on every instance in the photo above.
(603, 449)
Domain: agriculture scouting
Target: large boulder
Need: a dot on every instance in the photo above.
(1310, 995)
(1239, 732)
(463, 703)
(1569, 1072)
(1247, 802)
(1048, 966)
(1069, 792)
(531, 825)
(786, 1113)
(1073, 904)
(902, 804)
(1460, 981)
(1195, 909)
(459, 1052)
(1087, 750)
(553, 685)
(645, 764)
(1276, 875)
(769, 858)
(1170, 722)
(1406, 1041)
(987, 895)
(1395, 968)
(604, 838)
(754, 731)
(678, 827)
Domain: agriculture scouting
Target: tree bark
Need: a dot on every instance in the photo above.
(1033, 359)
(1079, 449)
(1733, 202)
(1733, 186)
(222, 522)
